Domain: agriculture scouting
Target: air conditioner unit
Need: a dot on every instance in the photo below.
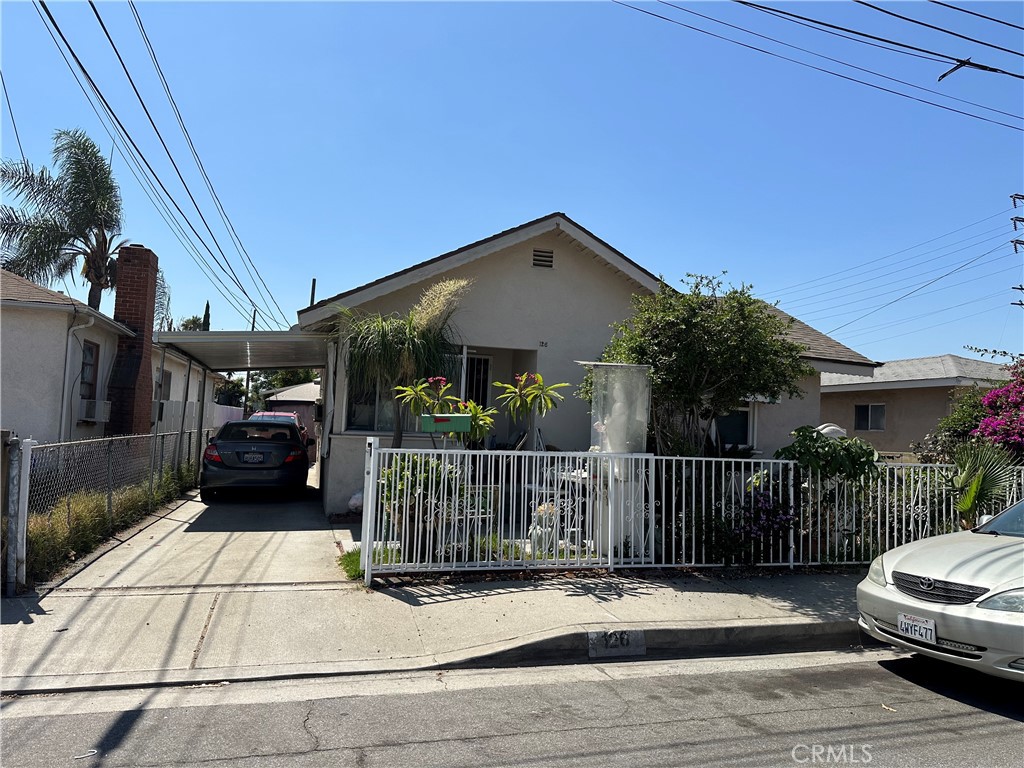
(94, 410)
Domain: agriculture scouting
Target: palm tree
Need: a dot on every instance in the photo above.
(983, 473)
(386, 351)
(76, 213)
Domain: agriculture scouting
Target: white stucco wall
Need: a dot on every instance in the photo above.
(33, 341)
(179, 369)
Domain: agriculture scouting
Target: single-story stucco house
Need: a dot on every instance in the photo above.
(543, 298)
(901, 401)
(70, 372)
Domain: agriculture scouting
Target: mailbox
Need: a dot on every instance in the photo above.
(445, 422)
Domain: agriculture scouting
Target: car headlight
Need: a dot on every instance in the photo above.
(1005, 601)
(876, 572)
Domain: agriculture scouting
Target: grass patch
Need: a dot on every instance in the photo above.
(79, 522)
(351, 565)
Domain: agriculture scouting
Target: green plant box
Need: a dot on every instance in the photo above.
(445, 422)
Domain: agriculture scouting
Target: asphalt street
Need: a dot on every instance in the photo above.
(868, 707)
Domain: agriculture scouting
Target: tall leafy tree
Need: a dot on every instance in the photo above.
(387, 351)
(69, 217)
(710, 350)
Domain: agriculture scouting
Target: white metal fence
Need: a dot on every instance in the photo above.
(445, 510)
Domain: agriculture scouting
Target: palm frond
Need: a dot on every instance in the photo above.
(983, 473)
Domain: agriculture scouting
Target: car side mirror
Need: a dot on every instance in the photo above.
(984, 519)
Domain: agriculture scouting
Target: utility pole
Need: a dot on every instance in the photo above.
(245, 402)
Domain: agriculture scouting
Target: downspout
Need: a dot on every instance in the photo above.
(64, 415)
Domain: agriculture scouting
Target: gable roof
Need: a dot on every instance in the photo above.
(16, 291)
(821, 347)
(936, 371)
(323, 310)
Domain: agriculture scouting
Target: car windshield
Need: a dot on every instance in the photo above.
(258, 430)
(272, 417)
(1010, 522)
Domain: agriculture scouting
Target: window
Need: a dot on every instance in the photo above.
(734, 428)
(90, 368)
(162, 387)
(373, 410)
(869, 418)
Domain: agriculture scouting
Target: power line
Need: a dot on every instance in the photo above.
(944, 56)
(811, 66)
(195, 154)
(145, 183)
(174, 164)
(819, 317)
(116, 131)
(10, 111)
(871, 328)
(913, 264)
(938, 29)
(124, 131)
(911, 293)
(959, 319)
(839, 61)
(979, 15)
(888, 256)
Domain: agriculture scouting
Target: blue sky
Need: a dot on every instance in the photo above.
(350, 140)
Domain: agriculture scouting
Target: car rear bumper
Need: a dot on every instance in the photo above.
(289, 476)
(989, 641)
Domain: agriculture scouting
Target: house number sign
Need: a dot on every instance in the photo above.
(606, 644)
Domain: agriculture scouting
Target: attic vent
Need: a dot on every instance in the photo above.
(545, 259)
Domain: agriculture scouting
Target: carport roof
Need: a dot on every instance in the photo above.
(249, 350)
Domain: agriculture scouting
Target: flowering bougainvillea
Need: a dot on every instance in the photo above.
(1004, 406)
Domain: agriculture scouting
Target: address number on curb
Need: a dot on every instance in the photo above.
(617, 642)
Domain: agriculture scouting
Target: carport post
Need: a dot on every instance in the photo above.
(181, 424)
(199, 425)
(369, 507)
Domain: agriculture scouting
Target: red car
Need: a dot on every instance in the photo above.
(289, 416)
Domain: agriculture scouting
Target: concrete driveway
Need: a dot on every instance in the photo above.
(249, 540)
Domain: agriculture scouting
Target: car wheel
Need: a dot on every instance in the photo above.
(207, 495)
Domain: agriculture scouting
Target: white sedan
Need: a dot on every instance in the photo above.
(958, 597)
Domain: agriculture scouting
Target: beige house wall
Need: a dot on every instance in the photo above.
(530, 319)
(776, 421)
(910, 414)
(34, 342)
(534, 319)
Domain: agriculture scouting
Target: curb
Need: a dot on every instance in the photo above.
(569, 645)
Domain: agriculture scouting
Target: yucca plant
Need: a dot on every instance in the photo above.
(387, 351)
(983, 473)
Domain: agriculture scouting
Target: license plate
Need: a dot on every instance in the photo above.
(916, 627)
(252, 458)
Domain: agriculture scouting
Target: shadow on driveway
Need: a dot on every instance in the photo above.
(261, 511)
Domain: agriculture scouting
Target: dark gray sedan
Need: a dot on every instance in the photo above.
(254, 454)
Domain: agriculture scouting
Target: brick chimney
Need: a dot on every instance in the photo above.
(131, 381)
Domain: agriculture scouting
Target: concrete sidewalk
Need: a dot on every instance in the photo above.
(168, 616)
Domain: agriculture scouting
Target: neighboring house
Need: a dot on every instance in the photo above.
(56, 363)
(298, 398)
(903, 400)
(543, 298)
(69, 372)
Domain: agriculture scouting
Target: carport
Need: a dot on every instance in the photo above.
(255, 350)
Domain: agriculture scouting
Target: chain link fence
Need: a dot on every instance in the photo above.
(81, 493)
